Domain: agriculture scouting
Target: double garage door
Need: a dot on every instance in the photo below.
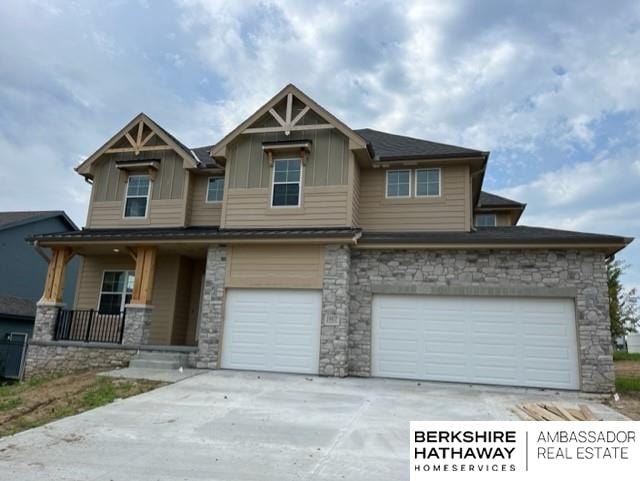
(491, 340)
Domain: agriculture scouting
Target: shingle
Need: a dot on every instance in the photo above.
(17, 306)
(487, 199)
(387, 146)
(8, 219)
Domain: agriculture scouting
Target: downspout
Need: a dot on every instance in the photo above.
(41, 251)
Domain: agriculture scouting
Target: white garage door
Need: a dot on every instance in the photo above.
(272, 330)
(491, 340)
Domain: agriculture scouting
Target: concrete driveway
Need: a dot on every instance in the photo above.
(227, 425)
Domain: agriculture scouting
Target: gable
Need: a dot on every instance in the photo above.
(141, 135)
(288, 111)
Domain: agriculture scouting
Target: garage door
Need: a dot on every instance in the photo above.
(272, 330)
(491, 340)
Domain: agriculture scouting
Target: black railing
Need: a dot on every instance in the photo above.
(89, 325)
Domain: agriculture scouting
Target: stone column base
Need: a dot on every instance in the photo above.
(137, 324)
(45, 322)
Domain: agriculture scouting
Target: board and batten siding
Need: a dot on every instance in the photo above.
(201, 212)
(447, 212)
(275, 266)
(166, 207)
(164, 289)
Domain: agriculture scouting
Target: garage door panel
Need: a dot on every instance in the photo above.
(511, 341)
(272, 330)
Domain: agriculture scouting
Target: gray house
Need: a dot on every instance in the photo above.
(25, 268)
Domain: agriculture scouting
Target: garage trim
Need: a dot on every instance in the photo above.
(408, 289)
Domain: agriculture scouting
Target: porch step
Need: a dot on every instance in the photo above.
(158, 360)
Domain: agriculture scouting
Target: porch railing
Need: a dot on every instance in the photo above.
(89, 325)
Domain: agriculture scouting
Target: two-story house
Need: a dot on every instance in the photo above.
(298, 244)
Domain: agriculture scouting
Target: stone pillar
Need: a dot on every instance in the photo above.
(334, 331)
(45, 322)
(212, 306)
(137, 324)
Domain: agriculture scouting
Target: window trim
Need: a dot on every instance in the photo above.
(273, 184)
(126, 197)
(123, 303)
(206, 194)
(386, 185)
(420, 196)
(495, 219)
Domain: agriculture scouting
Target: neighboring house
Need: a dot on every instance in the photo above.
(299, 244)
(24, 269)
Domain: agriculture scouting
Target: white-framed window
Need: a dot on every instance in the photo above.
(287, 175)
(486, 220)
(136, 204)
(398, 183)
(215, 189)
(116, 291)
(427, 182)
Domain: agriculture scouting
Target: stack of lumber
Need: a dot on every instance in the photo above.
(554, 412)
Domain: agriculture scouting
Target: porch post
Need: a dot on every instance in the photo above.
(137, 321)
(51, 301)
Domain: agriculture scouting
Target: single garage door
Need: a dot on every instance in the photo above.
(272, 330)
(490, 340)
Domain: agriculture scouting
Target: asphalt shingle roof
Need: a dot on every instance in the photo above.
(10, 219)
(387, 146)
(17, 306)
(492, 200)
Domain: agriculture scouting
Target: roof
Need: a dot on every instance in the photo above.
(17, 306)
(387, 146)
(9, 220)
(202, 153)
(510, 235)
(492, 200)
(182, 233)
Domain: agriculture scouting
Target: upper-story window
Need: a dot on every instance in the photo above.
(398, 183)
(215, 189)
(485, 220)
(427, 182)
(286, 183)
(137, 199)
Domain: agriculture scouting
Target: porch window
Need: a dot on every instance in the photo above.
(398, 183)
(427, 182)
(486, 220)
(215, 189)
(137, 200)
(116, 291)
(286, 183)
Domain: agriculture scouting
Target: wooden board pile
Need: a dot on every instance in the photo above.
(553, 412)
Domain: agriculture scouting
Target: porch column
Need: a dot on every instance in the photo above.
(51, 300)
(210, 326)
(137, 321)
(334, 328)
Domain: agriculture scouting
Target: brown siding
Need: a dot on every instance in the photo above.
(321, 207)
(203, 213)
(447, 212)
(277, 266)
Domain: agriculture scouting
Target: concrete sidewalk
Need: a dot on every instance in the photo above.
(226, 425)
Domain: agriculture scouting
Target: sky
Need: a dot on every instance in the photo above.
(551, 88)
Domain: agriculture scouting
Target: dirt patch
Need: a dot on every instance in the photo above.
(629, 405)
(627, 369)
(44, 399)
(628, 386)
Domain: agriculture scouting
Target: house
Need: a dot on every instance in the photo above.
(298, 244)
(24, 268)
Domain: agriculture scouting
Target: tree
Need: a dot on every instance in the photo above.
(623, 304)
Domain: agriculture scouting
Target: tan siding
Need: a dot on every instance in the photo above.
(162, 213)
(291, 266)
(90, 277)
(447, 212)
(356, 193)
(194, 300)
(321, 207)
(503, 219)
(183, 296)
(203, 213)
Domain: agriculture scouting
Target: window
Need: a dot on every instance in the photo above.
(398, 183)
(286, 183)
(215, 189)
(427, 182)
(116, 290)
(137, 198)
(485, 220)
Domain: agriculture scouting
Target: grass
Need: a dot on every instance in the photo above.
(627, 384)
(42, 399)
(626, 356)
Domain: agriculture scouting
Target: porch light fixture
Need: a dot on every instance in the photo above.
(116, 250)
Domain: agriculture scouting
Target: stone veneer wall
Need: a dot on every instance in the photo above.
(584, 271)
(210, 330)
(62, 357)
(137, 324)
(334, 330)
